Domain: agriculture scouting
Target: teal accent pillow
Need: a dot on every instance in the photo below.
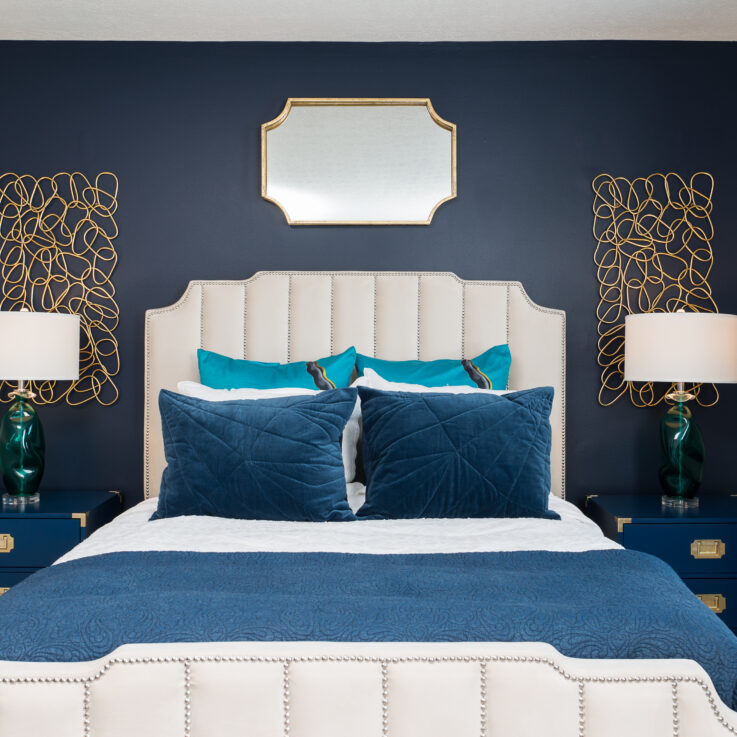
(490, 370)
(220, 372)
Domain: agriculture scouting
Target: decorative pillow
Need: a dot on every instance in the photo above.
(372, 380)
(200, 391)
(490, 370)
(351, 432)
(456, 455)
(220, 372)
(275, 459)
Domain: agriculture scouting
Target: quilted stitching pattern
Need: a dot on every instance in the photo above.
(276, 459)
(456, 455)
(597, 604)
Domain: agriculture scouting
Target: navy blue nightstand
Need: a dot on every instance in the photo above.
(34, 538)
(700, 544)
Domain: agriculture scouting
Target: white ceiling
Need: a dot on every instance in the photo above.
(368, 20)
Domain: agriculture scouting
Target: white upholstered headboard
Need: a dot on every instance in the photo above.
(293, 316)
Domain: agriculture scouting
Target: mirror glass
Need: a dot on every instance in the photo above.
(358, 161)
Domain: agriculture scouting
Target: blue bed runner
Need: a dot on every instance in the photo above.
(598, 604)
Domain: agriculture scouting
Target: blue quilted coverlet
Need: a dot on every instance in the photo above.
(598, 604)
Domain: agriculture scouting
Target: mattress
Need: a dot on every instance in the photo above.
(132, 531)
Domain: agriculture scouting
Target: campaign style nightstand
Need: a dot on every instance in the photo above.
(700, 544)
(35, 537)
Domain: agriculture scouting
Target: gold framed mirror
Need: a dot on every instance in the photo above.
(358, 161)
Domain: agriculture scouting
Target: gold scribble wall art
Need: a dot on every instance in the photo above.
(653, 254)
(57, 255)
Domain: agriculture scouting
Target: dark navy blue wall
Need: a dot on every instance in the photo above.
(179, 125)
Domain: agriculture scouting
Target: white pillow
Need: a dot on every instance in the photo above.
(200, 391)
(372, 380)
(356, 495)
(351, 434)
(351, 431)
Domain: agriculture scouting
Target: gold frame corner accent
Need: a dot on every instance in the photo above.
(82, 517)
(4, 590)
(621, 522)
(7, 542)
(356, 101)
(588, 497)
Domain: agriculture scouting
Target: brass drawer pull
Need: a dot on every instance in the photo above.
(4, 590)
(708, 548)
(716, 602)
(6, 543)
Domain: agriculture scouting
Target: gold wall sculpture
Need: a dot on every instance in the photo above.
(57, 255)
(653, 254)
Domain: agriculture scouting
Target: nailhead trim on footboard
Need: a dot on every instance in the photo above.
(385, 664)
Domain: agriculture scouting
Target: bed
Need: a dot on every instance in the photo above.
(146, 656)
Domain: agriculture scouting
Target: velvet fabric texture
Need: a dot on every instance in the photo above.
(274, 459)
(490, 370)
(456, 455)
(221, 372)
(596, 604)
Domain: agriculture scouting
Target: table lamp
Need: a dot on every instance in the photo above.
(680, 348)
(33, 346)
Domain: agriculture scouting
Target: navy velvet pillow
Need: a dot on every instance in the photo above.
(276, 459)
(456, 455)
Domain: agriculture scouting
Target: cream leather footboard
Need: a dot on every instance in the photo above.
(358, 690)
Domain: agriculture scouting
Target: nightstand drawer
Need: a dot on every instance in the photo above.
(35, 543)
(718, 594)
(9, 578)
(692, 549)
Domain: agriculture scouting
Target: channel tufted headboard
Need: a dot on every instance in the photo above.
(292, 316)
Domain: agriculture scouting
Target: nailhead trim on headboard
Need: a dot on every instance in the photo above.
(420, 276)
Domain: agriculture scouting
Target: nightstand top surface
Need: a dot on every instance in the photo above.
(647, 508)
(60, 504)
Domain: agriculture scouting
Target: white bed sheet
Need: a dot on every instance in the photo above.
(133, 531)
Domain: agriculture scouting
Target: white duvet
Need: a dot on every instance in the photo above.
(133, 531)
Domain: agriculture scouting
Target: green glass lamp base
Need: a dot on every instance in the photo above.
(682, 466)
(22, 449)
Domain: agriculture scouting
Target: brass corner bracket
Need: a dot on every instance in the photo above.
(82, 517)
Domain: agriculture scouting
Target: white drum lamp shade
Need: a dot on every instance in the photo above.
(689, 347)
(39, 346)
